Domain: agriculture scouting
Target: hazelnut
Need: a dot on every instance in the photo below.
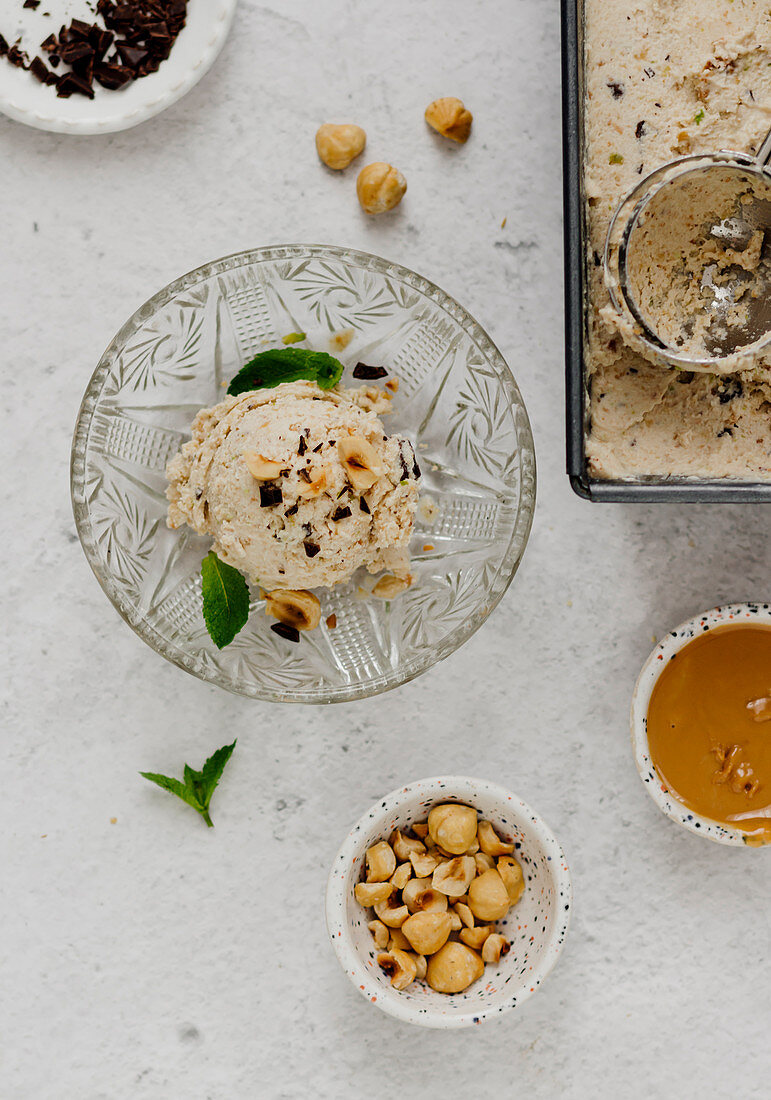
(453, 968)
(403, 845)
(398, 940)
(297, 608)
(450, 118)
(421, 966)
(420, 897)
(423, 863)
(453, 827)
(465, 914)
(388, 587)
(381, 862)
(494, 946)
(421, 830)
(488, 898)
(360, 461)
(513, 879)
(455, 922)
(401, 876)
(380, 187)
(400, 967)
(379, 933)
(427, 932)
(490, 843)
(483, 862)
(454, 876)
(260, 467)
(337, 145)
(475, 937)
(391, 911)
(372, 893)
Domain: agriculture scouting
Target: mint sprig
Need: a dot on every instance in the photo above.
(225, 600)
(198, 786)
(271, 368)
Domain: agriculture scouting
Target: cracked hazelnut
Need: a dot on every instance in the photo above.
(403, 845)
(475, 937)
(388, 587)
(488, 898)
(381, 862)
(465, 914)
(296, 608)
(372, 893)
(453, 968)
(454, 877)
(453, 827)
(262, 468)
(360, 461)
(483, 862)
(449, 117)
(398, 940)
(424, 863)
(338, 145)
(379, 933)
(380, 187)
(490, 843)
(391, 911)
(420, 897)
(427, 932)
(399, 966)
(494, 946)
(421, 966)
(401, 876)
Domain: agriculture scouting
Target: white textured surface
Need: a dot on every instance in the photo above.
(156, 959)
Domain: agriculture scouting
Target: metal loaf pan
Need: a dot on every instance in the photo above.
(686, 490)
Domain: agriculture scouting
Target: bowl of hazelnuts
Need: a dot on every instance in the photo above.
(449, 902)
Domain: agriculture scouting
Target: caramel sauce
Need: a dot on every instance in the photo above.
(709, 728)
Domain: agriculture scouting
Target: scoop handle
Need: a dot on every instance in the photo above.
(764, 153)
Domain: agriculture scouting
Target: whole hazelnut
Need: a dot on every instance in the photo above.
(380, 187)
(450, 118)
(337, 146)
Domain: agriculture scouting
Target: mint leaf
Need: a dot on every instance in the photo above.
(293, 338)
(271, 368)
(199, 786)
(212, 770)
(225, 600)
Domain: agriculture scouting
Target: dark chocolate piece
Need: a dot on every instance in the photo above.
(311, 548)
(34, 4)
(113, 76)
(71, 82)
(4, 47)
(50, 44)
(133, 56)
(293, 510)
(341, 513)
(368, 374)
(39, 70)
(291, 633)
(364, 506)
(302, 448)
(270, 495)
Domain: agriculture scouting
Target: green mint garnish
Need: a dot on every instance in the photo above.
(198, 787)
(271, 368)
(293, 338)
(698, 117)
(225, 600)
(615, 158)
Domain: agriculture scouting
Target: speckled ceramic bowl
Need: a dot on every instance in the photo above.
(729, 615)
(536, 926)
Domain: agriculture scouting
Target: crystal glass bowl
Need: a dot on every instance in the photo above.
(457, 401)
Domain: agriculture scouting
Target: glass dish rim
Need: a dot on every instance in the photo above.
(368, 261)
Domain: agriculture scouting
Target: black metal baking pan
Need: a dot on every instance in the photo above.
(685, 490)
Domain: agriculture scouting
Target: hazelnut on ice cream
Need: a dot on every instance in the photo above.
(298, 486)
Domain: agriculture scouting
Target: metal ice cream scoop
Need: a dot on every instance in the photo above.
(688, 261)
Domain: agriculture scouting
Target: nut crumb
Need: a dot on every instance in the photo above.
(331, 621)
(341, 340)
(113, 821)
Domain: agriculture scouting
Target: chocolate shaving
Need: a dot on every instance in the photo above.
(270, 495)
(291, 633)
(311, 548)
(368, 374)
(302, 448)
(364, 506)
(34, 4)
(304, 475)
(341, 513)
(293, 510)
(4, 47)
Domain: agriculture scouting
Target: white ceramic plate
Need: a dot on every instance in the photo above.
(24, 99)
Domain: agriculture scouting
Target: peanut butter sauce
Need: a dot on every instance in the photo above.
(709, 728)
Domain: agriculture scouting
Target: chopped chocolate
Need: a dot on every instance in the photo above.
(317, 449)
(617, 88)
(75, 51)
(17, 57)
(40, 71)
(311, 548)
(368, 374)
(293, 510)
(305, 475)
(113, 76)
(270, 495)
(302, 448)
(34, 4)
(291, 633)
(341, 513)
(364, 506)
(640, 129)
(133, 56)
(4, 47)
(79, 29)
(50, 44)
(727, 391)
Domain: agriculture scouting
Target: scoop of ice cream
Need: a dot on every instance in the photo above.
(297, 486)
